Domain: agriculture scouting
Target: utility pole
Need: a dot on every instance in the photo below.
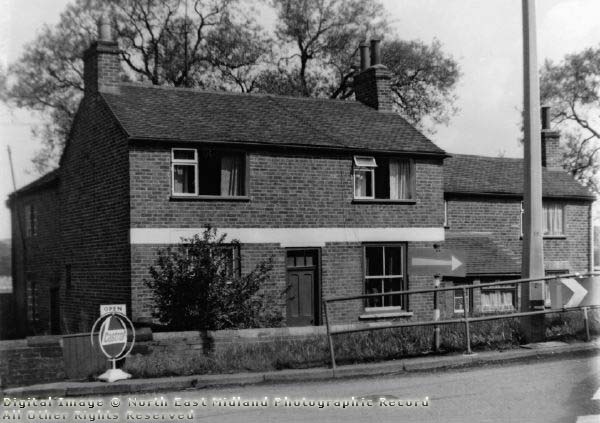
(532, 294)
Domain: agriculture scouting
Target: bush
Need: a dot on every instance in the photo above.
(197, 286)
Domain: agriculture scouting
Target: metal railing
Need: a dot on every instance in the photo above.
(466, 319)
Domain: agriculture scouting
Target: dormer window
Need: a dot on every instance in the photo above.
(383, 178)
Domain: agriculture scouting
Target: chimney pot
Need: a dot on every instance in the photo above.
(545, 117)
(101, 63)
(375, 56)
(364, 56)
(105, 29)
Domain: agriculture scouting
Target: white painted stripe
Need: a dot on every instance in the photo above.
(596, 395)
(588, 419)
(291, 237)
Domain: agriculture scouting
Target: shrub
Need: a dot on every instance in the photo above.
(197, 286)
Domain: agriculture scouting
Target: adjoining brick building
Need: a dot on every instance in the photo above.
(335, 192)
(483, 216)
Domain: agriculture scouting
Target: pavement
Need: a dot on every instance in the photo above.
(538, 351)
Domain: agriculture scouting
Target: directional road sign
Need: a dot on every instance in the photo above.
(428, 261)
(574, 292)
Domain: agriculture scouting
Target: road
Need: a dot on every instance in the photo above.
(544, 391)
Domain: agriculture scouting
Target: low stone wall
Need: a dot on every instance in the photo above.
(178, 342)
(37, 359)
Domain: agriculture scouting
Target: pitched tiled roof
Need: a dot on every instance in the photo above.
(159, 113)
(43, 181)
(485, 256)
(494, 175)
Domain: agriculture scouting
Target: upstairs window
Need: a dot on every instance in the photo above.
(208, 173)
(184, 167)
(553, 219)
(383, 178)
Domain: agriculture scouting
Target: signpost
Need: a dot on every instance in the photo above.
(429, 261)
(436, 263)
(112, 338)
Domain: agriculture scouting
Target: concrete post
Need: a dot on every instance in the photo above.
(532, 294)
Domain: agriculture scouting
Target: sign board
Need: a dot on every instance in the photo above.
(113, 336)
(429, 261)
(574, 292)
(113, 308)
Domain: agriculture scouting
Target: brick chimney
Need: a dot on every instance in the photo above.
(551, 154)
(372, 83)
(102, 66)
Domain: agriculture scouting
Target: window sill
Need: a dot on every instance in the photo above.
(381, 201)
(241, 198)
(385, 315)
(549, 237)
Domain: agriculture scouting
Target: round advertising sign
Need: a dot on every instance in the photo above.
(113, 336)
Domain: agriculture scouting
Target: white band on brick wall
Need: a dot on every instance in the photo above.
(291, 237)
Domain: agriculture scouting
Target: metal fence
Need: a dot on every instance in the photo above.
(466, 319)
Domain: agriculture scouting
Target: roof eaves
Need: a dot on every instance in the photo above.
(43, 181)
(161, 140)
(464, 193)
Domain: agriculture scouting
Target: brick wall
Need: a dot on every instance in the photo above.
(285, 190)
(31, 361)
(94, 210)
(32, 285)
(341, 275)
(501, 218)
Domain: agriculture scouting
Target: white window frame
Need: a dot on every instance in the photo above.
(545, 204)
(186, 162)
(512, 288)
(446, 214)
(364, 164)
(457, 293)
(384, 276)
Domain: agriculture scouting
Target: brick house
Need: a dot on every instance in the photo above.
(483, 217)
(335, 192)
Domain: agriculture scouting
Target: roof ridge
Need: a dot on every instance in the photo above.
(484, 157)
(232, 93)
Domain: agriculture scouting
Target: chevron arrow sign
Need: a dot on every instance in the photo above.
(574, 292)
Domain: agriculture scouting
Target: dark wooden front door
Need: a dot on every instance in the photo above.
(302, 289)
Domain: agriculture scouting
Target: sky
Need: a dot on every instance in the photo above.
(485, 37)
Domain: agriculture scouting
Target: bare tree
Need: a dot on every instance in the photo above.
(173, 42)
(572, 88)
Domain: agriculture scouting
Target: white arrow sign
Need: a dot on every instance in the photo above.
(454, 263)
(579, 292)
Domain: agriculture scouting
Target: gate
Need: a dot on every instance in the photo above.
(81, 359)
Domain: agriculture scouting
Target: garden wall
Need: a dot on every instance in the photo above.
(37, 359)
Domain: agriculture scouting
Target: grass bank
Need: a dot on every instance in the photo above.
(361, 347)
